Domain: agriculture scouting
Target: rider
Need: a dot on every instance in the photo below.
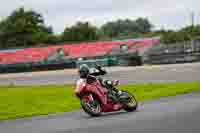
(84, 72)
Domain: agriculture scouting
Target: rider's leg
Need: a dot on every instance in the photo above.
(110, 85)
(113, 93)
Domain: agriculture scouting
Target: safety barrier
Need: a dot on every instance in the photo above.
(120, 59)
(174, 53)
(37, 66)
(103, 62)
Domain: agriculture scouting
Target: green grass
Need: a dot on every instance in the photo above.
(26, 101)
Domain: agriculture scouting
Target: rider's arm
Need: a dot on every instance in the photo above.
(78, 85)
(98, 71)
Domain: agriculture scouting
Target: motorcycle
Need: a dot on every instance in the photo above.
(95, 100)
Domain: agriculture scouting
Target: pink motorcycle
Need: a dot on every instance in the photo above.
(95, 100)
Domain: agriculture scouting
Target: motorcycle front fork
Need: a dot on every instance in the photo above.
(89, 98)
(113, 96)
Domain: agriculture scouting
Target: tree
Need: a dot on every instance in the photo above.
(144, 26)
(191, 31)
(185, 34)
(23, 28)
(81, 31)
(127, 27)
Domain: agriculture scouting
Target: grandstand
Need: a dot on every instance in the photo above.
(68, 54)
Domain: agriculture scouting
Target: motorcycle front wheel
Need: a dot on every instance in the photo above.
(132, 104)
(93, 108)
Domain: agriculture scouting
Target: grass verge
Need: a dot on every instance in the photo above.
(26, 101)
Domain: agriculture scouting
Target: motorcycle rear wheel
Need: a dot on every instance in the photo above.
(92, 109)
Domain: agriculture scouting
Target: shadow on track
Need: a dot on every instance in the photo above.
(107, 115)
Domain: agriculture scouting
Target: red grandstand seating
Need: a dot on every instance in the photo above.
(74, 50)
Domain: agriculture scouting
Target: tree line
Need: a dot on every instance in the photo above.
(27, 28)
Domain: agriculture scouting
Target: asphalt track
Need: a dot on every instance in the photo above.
(168, 115)
(146, 74)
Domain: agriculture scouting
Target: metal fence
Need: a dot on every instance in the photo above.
(173, 53)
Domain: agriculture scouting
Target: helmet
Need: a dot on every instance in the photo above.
(83, 70)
